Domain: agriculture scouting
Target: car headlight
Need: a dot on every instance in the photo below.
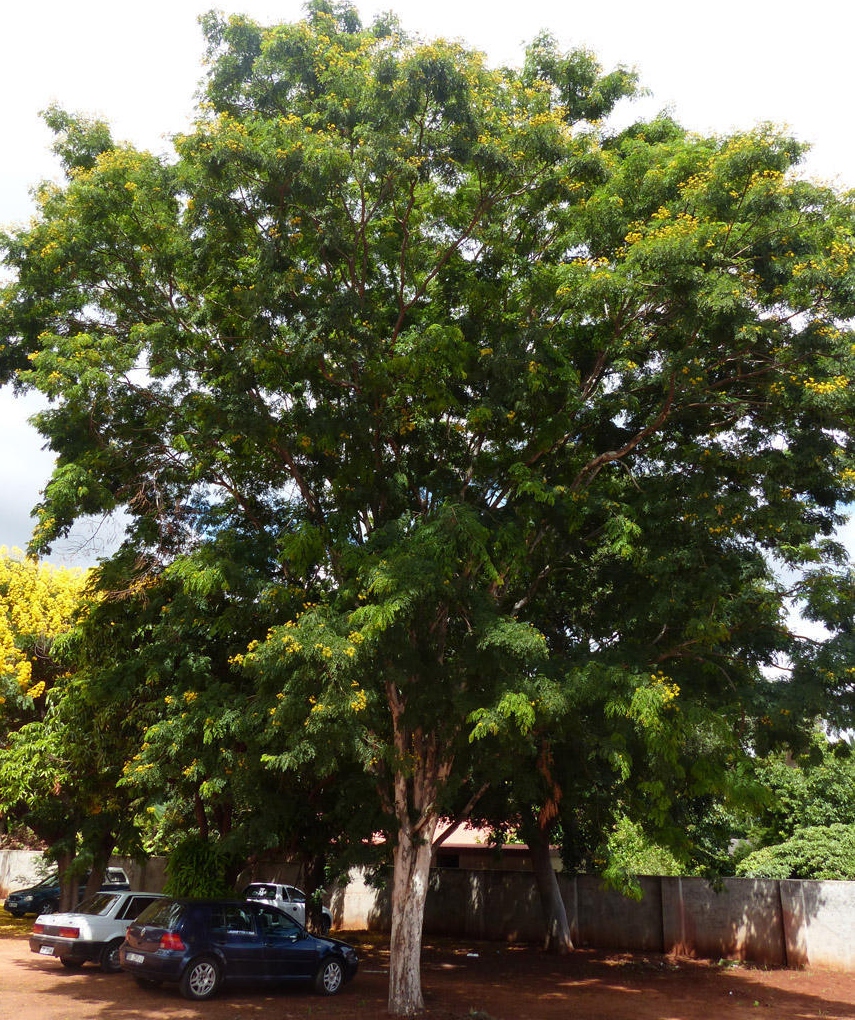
(27, 899)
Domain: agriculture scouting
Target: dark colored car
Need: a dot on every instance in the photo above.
(201, 943)
(44, 897)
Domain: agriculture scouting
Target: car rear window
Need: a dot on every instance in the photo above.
(260, 892)
(97, 903)
(136, 905)
(161, 914)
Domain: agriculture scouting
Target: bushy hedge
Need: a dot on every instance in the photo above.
(817, 851)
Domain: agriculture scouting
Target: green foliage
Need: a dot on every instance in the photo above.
(812, 852)
(197, 868)
(631, 854)
(803, 827)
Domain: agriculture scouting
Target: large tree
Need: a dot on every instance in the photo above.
(521, 406)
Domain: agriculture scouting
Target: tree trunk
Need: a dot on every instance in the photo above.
(424, 764)
(68, 883)
(100, 859)
(557, 938)
(409, 891)
(314, 873)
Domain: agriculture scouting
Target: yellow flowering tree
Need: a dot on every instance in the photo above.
(38, 603)
(519, 405)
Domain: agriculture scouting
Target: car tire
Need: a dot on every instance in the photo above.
(330, 976)
(201, 978)
(70, 964)
(109, 959)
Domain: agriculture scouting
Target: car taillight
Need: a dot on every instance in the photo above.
(69, 933)
(169, 940)
(38, 929)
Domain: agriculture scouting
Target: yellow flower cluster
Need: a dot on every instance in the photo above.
(360, 701)
(824, 386)
(667, 688)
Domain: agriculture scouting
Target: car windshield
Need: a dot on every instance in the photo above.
(47, 883)
(97, 903)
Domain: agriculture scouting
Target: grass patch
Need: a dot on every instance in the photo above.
(15, 927)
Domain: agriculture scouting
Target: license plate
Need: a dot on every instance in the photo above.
(134, 958)
(46, 950)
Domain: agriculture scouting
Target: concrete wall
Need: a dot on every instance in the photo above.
(742, 920)
(605, 919)
(819, 923)
(22, 868)
(793, 923)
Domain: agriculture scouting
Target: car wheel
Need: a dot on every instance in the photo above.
(70, 964)
(110, 957)
(330, 977)
(48, 907)
(200, 979)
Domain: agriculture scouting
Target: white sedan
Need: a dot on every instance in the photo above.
(93, 931)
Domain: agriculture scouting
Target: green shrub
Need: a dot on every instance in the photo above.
(197, 868)
(817, 851)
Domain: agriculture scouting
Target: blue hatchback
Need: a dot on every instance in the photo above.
(201, 943)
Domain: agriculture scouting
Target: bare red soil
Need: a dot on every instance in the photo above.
(483, 981)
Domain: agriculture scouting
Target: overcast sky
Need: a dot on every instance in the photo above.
(718, 67)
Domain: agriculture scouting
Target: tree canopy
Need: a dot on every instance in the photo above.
(511, 411)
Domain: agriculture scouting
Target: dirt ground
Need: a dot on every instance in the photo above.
(473, 981)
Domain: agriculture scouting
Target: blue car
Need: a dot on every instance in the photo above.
(44, 897)
(199, 944)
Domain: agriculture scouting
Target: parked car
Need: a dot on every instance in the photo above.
(44, 897)
(288, 898)
(92, 932)
(201, 943)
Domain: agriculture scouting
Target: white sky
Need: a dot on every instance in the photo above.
(717, 66)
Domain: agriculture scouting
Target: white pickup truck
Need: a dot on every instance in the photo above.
(288, 898)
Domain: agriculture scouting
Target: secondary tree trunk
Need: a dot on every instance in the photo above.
(100, 859)
(558, 938)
